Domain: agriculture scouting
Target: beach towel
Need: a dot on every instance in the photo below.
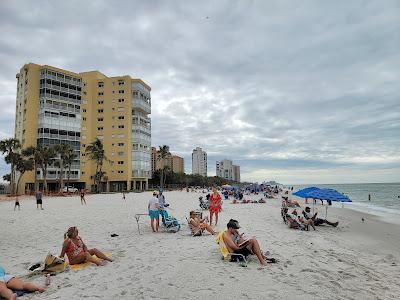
(19, 294)
(78, 267)
(220, 241)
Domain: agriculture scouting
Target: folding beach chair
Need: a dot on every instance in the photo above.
(169, 223)
(226, 255)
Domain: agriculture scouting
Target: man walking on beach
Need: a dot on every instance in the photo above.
(83, 201)
(39, 201)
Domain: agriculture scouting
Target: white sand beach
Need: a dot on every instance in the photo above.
(356, 260)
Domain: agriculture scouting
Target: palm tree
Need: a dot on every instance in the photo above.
(10, 147)
(62, 151)
(96, 153)
(22, 166)
(47, 154)
(35, 154)
(163, 153)
(69, 157)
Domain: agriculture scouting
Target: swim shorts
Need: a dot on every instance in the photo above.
(154, 214)
(6, 278)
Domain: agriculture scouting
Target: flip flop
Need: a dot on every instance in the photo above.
(271, 260)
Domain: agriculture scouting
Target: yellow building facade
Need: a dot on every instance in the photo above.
(58, 106)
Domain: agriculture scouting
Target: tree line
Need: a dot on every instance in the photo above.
(42, 156)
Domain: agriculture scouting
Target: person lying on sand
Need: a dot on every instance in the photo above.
(199, 225)
(236, 244)
(77, 252)
(9, 283)
(317, 221)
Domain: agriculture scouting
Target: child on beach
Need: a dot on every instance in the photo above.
(17, 204)
(9, 283)
(83, 201)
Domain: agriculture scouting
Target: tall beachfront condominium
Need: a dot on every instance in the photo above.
(199, 162)
(226, 169)
(56, 106)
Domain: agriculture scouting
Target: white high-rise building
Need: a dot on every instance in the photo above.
(199, 162)
(227, 170)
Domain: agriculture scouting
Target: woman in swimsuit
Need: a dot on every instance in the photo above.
(197, 226)
(77, 252)
(215, 205)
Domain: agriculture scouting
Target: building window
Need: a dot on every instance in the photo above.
(99, 128)
(101, 84)
(101, 94)
(120, 144)
(100, 102)
(83, 173)
(84, 110)
(121, 100)
(121, 126)
(121, 91)
(84, 118)
(100, 119)
(100, 111)
(120, 162)
(121, 117)
(121, 82)
(120, 172)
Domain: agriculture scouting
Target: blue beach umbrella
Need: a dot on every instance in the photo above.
(303, 193)
(328, 194)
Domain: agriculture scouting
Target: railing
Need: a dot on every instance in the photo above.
(59, 136)
(141, 104)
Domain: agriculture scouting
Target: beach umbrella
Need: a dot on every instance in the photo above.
(226, 186)
(303, 193)
(328, 194)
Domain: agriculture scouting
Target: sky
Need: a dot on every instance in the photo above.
(293, 91)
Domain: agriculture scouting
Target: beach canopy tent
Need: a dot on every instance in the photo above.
(303, 193)
(328, 194)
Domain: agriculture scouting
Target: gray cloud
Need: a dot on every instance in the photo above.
(279, 87)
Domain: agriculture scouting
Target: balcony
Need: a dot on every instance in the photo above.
(141, 104)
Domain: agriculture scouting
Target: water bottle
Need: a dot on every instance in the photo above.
(47, 279)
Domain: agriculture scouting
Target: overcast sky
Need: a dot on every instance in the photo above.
(292, 91)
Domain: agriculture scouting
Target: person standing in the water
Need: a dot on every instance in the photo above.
(369, 197)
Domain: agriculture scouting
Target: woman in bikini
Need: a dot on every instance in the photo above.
(215, 205)
(77, 252)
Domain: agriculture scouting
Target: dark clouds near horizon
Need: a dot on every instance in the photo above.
(295, 91)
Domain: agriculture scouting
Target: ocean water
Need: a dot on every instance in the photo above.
(385, 200)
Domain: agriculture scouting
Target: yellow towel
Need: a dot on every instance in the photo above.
(83, 265)
(222, 246)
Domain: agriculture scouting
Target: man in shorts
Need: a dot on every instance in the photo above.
(154, 213)
(39, 200)
(236, 244)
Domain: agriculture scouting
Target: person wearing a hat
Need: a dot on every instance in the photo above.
(236, 244)
(317, 221)
(154, 213)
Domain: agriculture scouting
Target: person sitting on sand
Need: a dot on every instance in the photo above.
(9, 283)
(77, 252)
(236, 244)
(197, 226)
(316, 221)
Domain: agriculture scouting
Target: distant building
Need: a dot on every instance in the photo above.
(199, 162)
(174, 162)
(178, 164)
(227, 170)
(236, 173)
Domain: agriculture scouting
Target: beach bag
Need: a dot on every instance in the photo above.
(53, 264)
